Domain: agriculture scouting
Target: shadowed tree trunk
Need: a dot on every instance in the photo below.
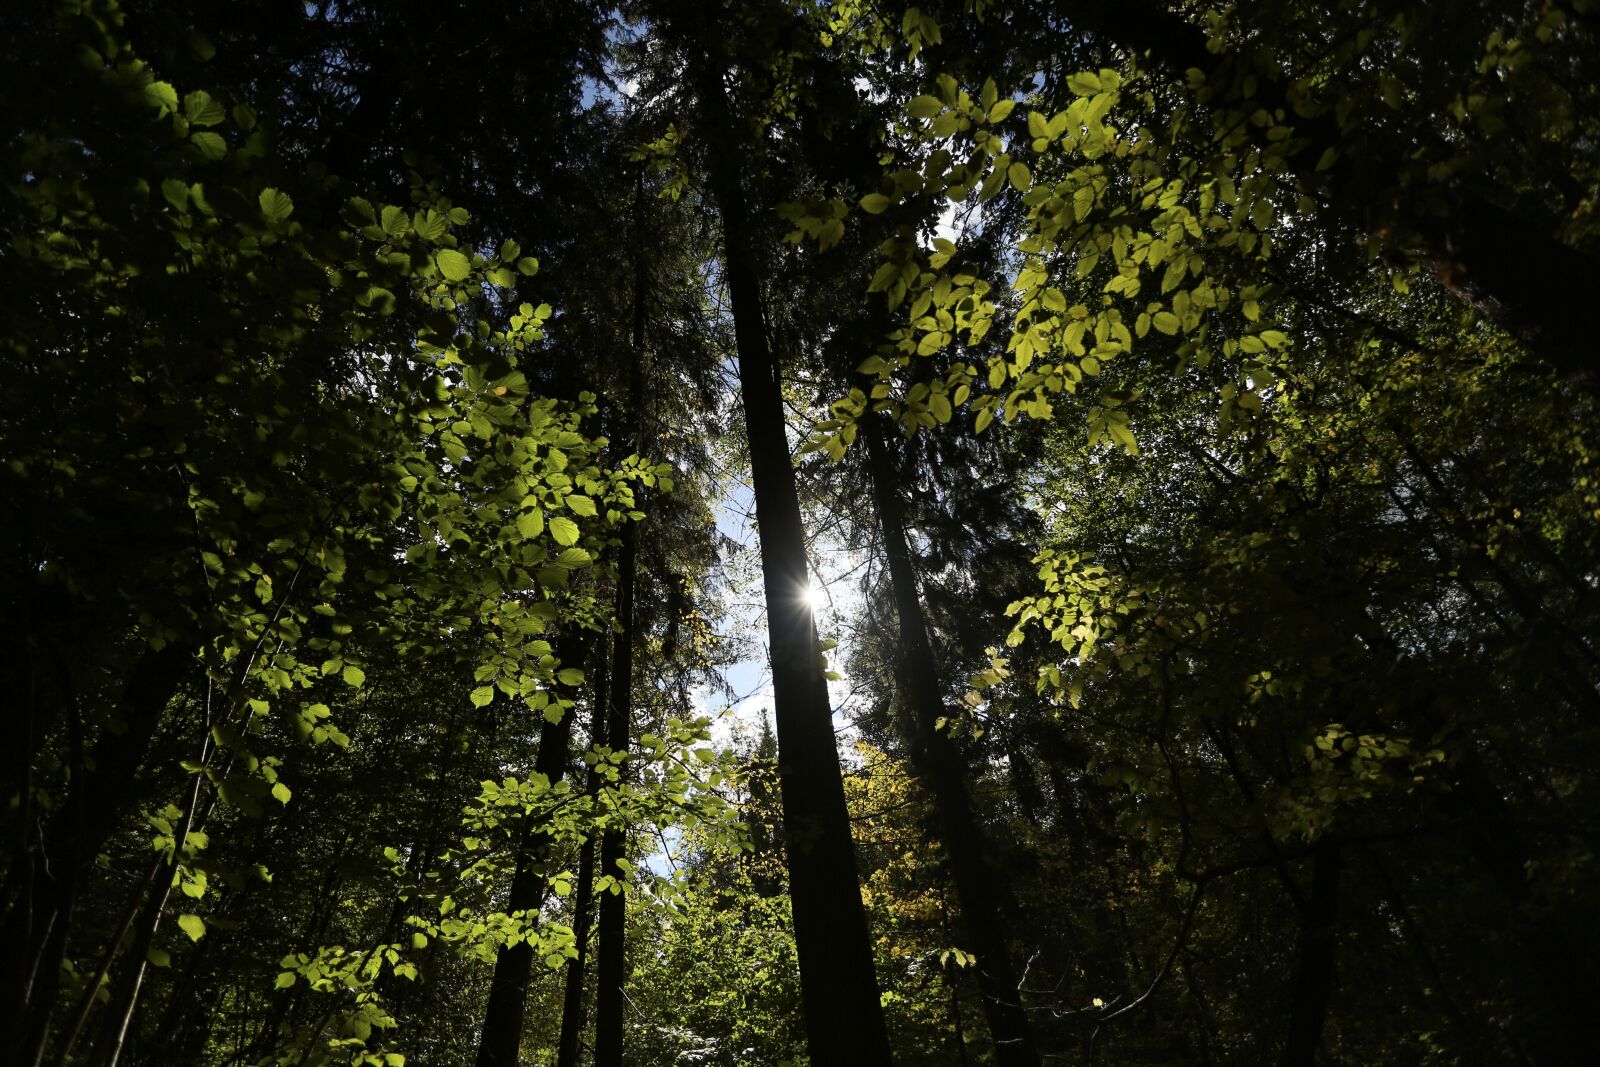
(513, 967)
(1315, 966)
(572, 1006)
(939, 765)
(839, 991)
(610, 954)
(943, 771)
(45, 881)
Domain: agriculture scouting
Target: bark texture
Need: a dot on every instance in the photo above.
(838, 985)
(943, 772)
(513, 966)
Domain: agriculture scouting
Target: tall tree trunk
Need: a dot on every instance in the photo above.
(611, 953)
(513, 966)
(34, 936)
(942, 770)
(572, 1007)
(1316, 963)
(838, 987)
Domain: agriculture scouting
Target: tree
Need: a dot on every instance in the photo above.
(842, 1010)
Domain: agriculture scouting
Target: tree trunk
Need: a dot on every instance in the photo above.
(513, 966)
(126, 991)
(839, 991)
(942, 770)
(33, 940)
(572, 1007)
(572, 1013)
(611, 953)
(1315, 968)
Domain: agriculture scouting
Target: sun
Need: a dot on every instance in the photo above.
(816, 599)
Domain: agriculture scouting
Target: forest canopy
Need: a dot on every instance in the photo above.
(787, 532)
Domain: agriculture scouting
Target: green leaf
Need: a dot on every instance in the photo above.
(580, 504)
(159, 957)
(202, 47)
(570, 676)
(354, 676)
(1084, 84)
(192, 925)
(1123, 436)
(201, 110)
(161, 95)
(530, 524)
(453, 265)
(925, 107)
(429, 225)
(280, 793)
(276, 206)
(285, 980)
(482, 696)
(176, 192)
(564, 530)
(1020, 177)
(1166, 322)
(874, 203)
(211, 145)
